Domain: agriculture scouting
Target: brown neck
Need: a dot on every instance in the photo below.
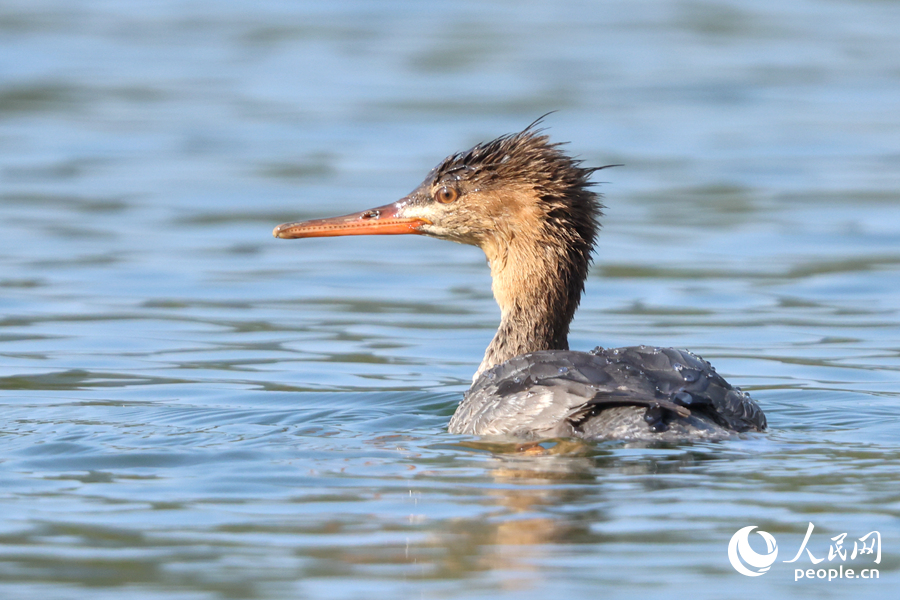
(537, 289)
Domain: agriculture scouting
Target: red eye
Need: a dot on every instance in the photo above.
(446, 195)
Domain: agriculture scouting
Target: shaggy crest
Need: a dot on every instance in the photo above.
(572, 210)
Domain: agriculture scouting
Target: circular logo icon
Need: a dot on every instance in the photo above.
(742, 555)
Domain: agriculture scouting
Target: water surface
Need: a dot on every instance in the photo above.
(193, 409)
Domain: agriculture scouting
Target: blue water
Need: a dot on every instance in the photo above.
(191, 409)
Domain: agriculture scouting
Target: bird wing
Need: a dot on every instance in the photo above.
(554, 392)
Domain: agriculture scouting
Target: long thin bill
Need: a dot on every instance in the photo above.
(384, 220)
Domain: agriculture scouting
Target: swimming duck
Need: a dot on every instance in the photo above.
(530, 207)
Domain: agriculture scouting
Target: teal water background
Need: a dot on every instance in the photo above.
(191, 409)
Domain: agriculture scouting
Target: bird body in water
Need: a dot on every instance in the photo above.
(530, 208)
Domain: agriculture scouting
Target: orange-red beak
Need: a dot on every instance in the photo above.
(384, 220)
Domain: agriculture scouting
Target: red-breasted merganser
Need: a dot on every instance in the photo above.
(530, 208)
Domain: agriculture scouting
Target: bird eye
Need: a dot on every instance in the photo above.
(446, 195)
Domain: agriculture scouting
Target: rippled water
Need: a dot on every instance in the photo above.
(192, 409)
